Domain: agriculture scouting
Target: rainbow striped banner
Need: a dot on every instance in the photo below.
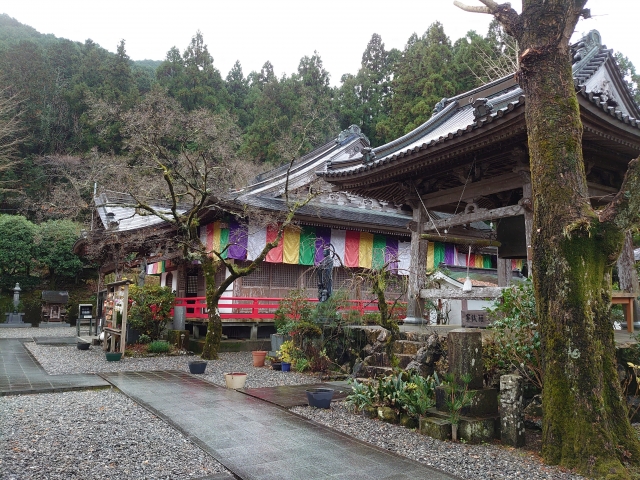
(447, 253)
(304, 245)
(158, 267)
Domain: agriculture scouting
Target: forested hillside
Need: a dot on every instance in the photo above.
(56, 86)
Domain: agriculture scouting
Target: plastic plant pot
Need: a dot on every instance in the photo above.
(197, 367)
(83, 345)
(286, 367)
(320, 397)
(113, 356)
(235, 380)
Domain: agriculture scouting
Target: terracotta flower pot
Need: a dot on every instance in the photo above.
(235, 380)
(258, 358)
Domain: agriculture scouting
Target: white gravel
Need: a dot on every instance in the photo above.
(469, 462)
(98, 434)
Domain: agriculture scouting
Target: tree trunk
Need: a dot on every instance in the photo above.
(585, 424)
(214, 326)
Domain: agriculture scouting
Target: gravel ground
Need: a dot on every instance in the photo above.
(98, 434)
(37, 332)
(469, 462)
(58, 360)
(36, 442)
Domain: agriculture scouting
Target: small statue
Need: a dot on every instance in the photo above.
(325, 275)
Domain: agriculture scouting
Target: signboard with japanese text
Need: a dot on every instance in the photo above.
(475, 319)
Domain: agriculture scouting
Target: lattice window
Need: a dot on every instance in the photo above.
(259, 277)
(286, 276)
(192, 284)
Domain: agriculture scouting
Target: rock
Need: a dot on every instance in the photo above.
(534, 409)
(383, 336)
(388, 414)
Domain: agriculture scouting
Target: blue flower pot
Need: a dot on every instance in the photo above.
(320, 397)
(197, 367)
(286, 367)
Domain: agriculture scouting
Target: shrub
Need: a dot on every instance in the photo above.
(402, 391)
(150, 309)
(293, 308)
(516, 335)
(159, 346)
(144, 339)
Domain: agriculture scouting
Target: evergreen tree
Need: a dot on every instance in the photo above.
(238, 89)
(423, 76)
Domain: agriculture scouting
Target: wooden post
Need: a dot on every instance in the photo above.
(504, 272)
(627, 275)
(527, 198)
(418, 266)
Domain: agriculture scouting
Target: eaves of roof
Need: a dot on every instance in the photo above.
(329, 214)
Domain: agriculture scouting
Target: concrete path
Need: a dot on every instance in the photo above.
(20, 373)
(258, 440)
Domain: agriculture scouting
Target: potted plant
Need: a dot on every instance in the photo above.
(275, 362)
(285, 366)
(197, 367)
(235, 380)
(319, 397)
(258, 357)
(113, 356)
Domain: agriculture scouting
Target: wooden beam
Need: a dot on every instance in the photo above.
(480, 242)
(482, 188)
(457, 294)
(480, 216)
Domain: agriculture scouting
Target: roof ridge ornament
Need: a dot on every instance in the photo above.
(482, 107)
(368, 154)
(440, 106)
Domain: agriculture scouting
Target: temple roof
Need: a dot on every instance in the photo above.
(597, 79)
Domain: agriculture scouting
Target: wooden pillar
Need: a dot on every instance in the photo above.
(627, 275)
(504, 272)
(418, 266)
(527, 201)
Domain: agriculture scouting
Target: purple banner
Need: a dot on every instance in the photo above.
(449, 254)
(391, 254)
(238, 237)
(323, 237)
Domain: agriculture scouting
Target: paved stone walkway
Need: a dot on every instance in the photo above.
(250, 436)
(20, 373)
(257, 440)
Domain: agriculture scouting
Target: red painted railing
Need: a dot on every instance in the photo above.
(255, 308)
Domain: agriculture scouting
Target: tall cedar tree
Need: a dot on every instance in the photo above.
(585, 422)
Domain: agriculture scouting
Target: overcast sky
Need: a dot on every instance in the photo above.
(283, 31)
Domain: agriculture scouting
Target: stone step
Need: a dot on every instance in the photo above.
(408, 347)
(470, 429)
(374, 372)
(415, 336)
(403, 360)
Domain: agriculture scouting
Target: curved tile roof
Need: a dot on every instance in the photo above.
(453, 120)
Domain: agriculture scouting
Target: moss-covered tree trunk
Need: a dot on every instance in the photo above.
(585, 423)
(213, 294)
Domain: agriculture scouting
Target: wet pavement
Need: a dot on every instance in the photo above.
(258, 440)
(20, 373)
(288, 396)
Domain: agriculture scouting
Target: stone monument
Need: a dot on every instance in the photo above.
(15, 319)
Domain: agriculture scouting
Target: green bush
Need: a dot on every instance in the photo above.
(516, 337)
(159, 346)
(144, 339)
(293, 309)
(150, 309)
(405, 392)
